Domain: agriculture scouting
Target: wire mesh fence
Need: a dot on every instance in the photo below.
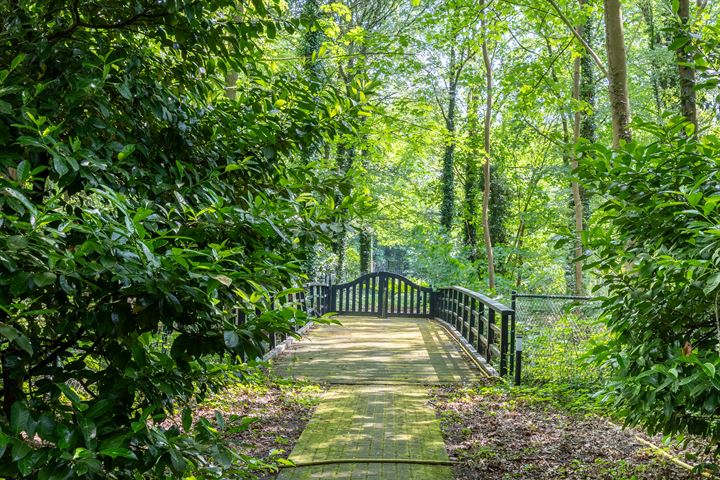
(558, 331)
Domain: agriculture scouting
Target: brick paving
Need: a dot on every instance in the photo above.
(377, 408)
(368, 350)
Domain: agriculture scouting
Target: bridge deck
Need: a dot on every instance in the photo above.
(369, 350)
(377, 423)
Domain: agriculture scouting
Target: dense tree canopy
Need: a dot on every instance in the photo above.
(173, 172)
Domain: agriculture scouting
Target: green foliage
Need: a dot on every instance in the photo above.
(557, 335)
(658, 249)
(134, 198)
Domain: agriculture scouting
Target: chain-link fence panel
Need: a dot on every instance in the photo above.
(558, 331)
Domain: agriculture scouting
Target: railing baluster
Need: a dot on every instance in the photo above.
(411, 298)
(405, 288)
(391, 292)
(458, 312)
(490, 333)
(367, 295)
(473, 306)
(354, 303)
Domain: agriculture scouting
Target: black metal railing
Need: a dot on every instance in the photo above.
(489, 326)
(381, 294)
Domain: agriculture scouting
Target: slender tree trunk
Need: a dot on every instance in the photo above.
(617, 72)
(588, 125)
(583, 127)
(486, 145)
(231, 85)
(570, 268)
(575, 186)
(447, 209)
(519, 244)
(365, 250)
(312, 39)
(309, 48)
(366, 233)
(653, 41)
(688, 104)
(472, 177)
(345, 158)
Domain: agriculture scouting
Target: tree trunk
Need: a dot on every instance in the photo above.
(575, 186)
(310, 46)
(688, 105)
(12, 380)
(486, 145)
(653, 40)
(518, 246)
(617, 72)
(231, 85)
(472, 178)
(366, 250)
(583, 127)
(569, 160)
(345, 159)
(447, 209)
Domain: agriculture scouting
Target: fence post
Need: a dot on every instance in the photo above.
(518, 359)
(513, 305)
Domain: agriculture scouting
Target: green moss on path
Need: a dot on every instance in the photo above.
(378, 408)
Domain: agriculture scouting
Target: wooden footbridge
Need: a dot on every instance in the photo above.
(485, 325)
(395, 340)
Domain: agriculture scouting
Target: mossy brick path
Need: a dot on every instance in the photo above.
(382, 351)
(377, 406)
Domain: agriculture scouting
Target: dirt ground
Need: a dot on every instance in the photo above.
(492, 435)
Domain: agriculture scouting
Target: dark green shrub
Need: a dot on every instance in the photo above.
(134, 196)
(657, 240)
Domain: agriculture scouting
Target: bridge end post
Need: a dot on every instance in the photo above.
(513, 305)
(504, 343)
(518, 360)
(331, 300)
(433, 307)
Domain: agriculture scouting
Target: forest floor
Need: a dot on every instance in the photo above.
(499, 432)
(264, 417)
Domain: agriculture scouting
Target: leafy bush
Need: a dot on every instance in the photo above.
(658, 246)
(135, 196)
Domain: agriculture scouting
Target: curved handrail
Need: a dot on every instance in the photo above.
(406, 280)
(358, 280)
(367, 276)
(495, 305)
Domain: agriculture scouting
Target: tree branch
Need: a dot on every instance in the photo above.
(79, 23)
(577, 35)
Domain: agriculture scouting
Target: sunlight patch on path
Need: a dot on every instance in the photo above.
(368, 350)
(375, 420)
